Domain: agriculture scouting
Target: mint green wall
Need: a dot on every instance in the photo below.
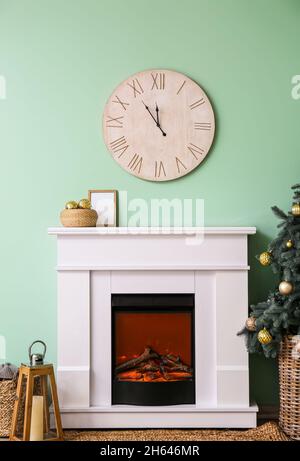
(62, 59)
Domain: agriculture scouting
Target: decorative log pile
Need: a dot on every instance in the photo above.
(153, 367)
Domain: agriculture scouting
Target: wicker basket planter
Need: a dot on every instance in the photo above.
(8, 388)
(7, 401)
(289, 380)
(78, 218)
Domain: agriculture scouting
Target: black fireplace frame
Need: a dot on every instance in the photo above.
(148, 393)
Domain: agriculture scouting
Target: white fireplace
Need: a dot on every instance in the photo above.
(96, 263)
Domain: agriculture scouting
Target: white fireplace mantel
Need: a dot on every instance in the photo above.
(212, 263)
(151, 230)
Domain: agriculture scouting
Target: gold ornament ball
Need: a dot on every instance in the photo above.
(264, 336)
(289, 244)
(71, 205)
(85, 204)
(265, 258)
(285, 288)
(251, 324)
(296, 209)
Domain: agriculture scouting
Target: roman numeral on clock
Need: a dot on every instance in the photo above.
(180, 165)
(197, 103)
(119, 146)
(136, 87)
(119, 101)
(159, 169)
(114, 122)
(204, 126)
(195, 150)
(181, 86)
(136, 163)
(158, 81)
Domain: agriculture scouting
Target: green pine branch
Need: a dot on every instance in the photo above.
(279, 213)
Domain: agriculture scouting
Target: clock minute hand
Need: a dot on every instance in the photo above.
(156, 122)
(157, 115)
(147, 108)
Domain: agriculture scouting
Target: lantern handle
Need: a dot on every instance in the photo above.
(35, 342)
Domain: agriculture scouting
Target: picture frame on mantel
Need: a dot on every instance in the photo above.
(105, 203)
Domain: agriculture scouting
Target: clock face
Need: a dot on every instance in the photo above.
(158, 125)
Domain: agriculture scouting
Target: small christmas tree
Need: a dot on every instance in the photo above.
(279, 315)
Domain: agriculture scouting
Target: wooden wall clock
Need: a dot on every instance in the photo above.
(158, 125)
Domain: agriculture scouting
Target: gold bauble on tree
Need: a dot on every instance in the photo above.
(85, 204)
(285, 288)
(265, 258)
(251, 324)
(71, 205)
(296, 209)
(289, 244)
(264, 336)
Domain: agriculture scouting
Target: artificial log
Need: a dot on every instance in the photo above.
(153, 367)
(173, 358)
(146, 355)
(178, 376)
(176, 365)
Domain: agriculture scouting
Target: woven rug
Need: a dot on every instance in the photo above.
(266, 432)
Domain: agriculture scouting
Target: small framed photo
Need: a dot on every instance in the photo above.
(105, 203)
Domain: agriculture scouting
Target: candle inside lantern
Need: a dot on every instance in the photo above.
(37, 427)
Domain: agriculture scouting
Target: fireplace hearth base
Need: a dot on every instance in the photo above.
(178, 416)
(153, 394)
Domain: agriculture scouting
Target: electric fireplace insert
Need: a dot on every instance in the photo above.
(153, 349)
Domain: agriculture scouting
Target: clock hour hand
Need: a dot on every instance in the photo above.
(156, 122)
